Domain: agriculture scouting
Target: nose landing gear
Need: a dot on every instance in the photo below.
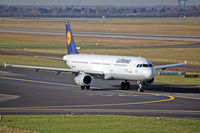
(140, 89)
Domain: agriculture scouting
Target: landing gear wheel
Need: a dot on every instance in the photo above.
(87, 87)
(123, 85)
(127, 85)
(82, 87)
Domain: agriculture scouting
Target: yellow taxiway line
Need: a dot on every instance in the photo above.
(52, 83)
(170, 98)
(97, 105)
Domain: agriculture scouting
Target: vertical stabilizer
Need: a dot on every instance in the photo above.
(71, 46)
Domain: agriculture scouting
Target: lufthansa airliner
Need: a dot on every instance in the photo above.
(86, 67)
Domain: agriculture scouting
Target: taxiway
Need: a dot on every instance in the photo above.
(23, 91)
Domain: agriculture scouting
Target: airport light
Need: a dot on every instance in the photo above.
(182, 3)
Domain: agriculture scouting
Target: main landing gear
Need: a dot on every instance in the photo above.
(125, 85)
(85, 87)
(140, 89)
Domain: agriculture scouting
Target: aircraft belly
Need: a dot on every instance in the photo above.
(127, 76)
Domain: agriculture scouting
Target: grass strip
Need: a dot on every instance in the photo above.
(165, 26)
(99, 123)
(34, 40)
(177, 79)
(30, 60)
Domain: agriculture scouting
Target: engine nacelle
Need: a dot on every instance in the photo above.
(149, 82)
(83, 79)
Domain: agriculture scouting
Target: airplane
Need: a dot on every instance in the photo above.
(86, 67)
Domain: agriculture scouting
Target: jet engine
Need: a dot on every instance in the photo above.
(149, 82)
(83, 79)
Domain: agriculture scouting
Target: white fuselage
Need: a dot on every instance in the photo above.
(113, 67)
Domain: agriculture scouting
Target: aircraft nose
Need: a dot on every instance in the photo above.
(150, 73)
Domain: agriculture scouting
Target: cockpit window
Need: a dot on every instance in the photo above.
(139, 65)
(144, 65)
(150, 65)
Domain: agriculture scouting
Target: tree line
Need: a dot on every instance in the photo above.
(98, 11)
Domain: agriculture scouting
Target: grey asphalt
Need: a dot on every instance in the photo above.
(43, 92)
(107, 35)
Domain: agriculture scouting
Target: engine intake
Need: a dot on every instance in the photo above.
(83, 79)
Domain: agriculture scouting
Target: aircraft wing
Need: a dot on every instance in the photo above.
(170, 65)
(59, 70)
(49, 58)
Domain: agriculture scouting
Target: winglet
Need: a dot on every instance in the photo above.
(5, 65)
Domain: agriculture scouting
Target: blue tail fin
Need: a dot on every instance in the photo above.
(71, 46)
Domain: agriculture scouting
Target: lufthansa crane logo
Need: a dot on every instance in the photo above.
(68, 37)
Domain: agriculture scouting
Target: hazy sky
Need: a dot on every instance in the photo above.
(97, 2)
